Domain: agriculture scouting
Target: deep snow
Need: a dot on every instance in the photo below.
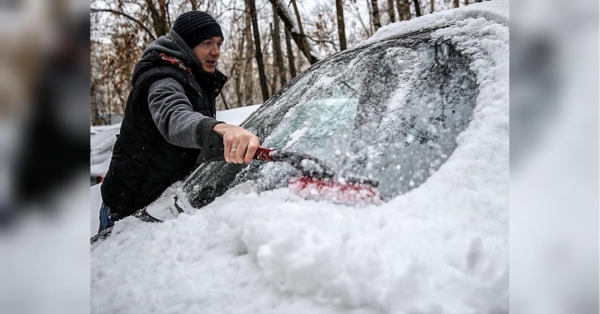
(441, 248)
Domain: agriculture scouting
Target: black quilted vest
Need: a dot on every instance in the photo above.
(143, 163)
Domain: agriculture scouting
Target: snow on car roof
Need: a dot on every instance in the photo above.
(496, 10)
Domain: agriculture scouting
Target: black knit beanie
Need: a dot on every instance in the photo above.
(196, 26)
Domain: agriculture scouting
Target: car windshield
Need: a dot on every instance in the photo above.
(390, 111)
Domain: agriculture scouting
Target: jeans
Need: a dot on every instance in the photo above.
(106, 221)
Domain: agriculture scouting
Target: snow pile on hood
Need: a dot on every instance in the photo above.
(441, 248)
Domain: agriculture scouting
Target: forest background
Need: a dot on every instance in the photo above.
(267, 42)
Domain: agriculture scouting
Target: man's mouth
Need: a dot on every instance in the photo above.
(211, 63)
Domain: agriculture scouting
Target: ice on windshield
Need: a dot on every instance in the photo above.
(387, 112)
(316, 126)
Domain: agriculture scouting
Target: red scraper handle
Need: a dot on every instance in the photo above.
(263, 153)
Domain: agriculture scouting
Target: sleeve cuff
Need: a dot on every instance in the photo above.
(204, 129)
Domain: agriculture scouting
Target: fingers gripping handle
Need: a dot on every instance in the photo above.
(213, 150)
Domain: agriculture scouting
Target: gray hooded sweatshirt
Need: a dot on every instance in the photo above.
(170, 108)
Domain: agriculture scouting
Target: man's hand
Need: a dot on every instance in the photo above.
(240, 145)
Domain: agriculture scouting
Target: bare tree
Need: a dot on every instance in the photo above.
(238, 63)
(139, 22)
(304, 45)
(324, 31)
(295, 30)
(194, 5)
(339, 7)
(125, 27)
(248, 73)
(375, 14)
(258, 51)
(390, 11)
(277, 50)
(417, 7)
(272, 80)
(403, 9)
(223, 98)
(290, 54)
(366, 30)
(159, 16)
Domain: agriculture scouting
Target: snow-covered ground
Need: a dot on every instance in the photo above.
(441, 248)
(237, 115)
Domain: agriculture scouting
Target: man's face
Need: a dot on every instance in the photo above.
(208, 53)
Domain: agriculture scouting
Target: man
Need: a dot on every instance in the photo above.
(170, 115)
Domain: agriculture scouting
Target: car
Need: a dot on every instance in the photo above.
(392, 110)
(421, 109)
(102, 139)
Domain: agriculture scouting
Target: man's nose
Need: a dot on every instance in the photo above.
(215, 50)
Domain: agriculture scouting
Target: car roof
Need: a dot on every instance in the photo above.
(497, 10)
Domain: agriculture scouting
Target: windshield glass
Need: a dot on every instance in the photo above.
(390, 111)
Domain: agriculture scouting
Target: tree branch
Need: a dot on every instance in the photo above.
(298, 37)
(93, 10)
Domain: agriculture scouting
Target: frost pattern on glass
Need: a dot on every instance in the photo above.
(421, 134)
(390, 112)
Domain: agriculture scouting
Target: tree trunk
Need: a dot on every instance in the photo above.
(417, 7)
(194, 4)
(431, 8)
(248, 71)
(304, 46)
(477, 0)
(258, 51)
(159, 20)
(225, 104)
(299, 61)
(94, 103)
(403, 9)
(297, 33)
(466, 2)
(277, 49)
(375, 14)
(290, 54)
(455, 3)
(390, 11)
(339, 7)
(274, 74)
(238, 73)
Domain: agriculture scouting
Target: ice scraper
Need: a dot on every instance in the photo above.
(316, 179)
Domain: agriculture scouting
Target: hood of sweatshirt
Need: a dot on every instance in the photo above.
(173, 46)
